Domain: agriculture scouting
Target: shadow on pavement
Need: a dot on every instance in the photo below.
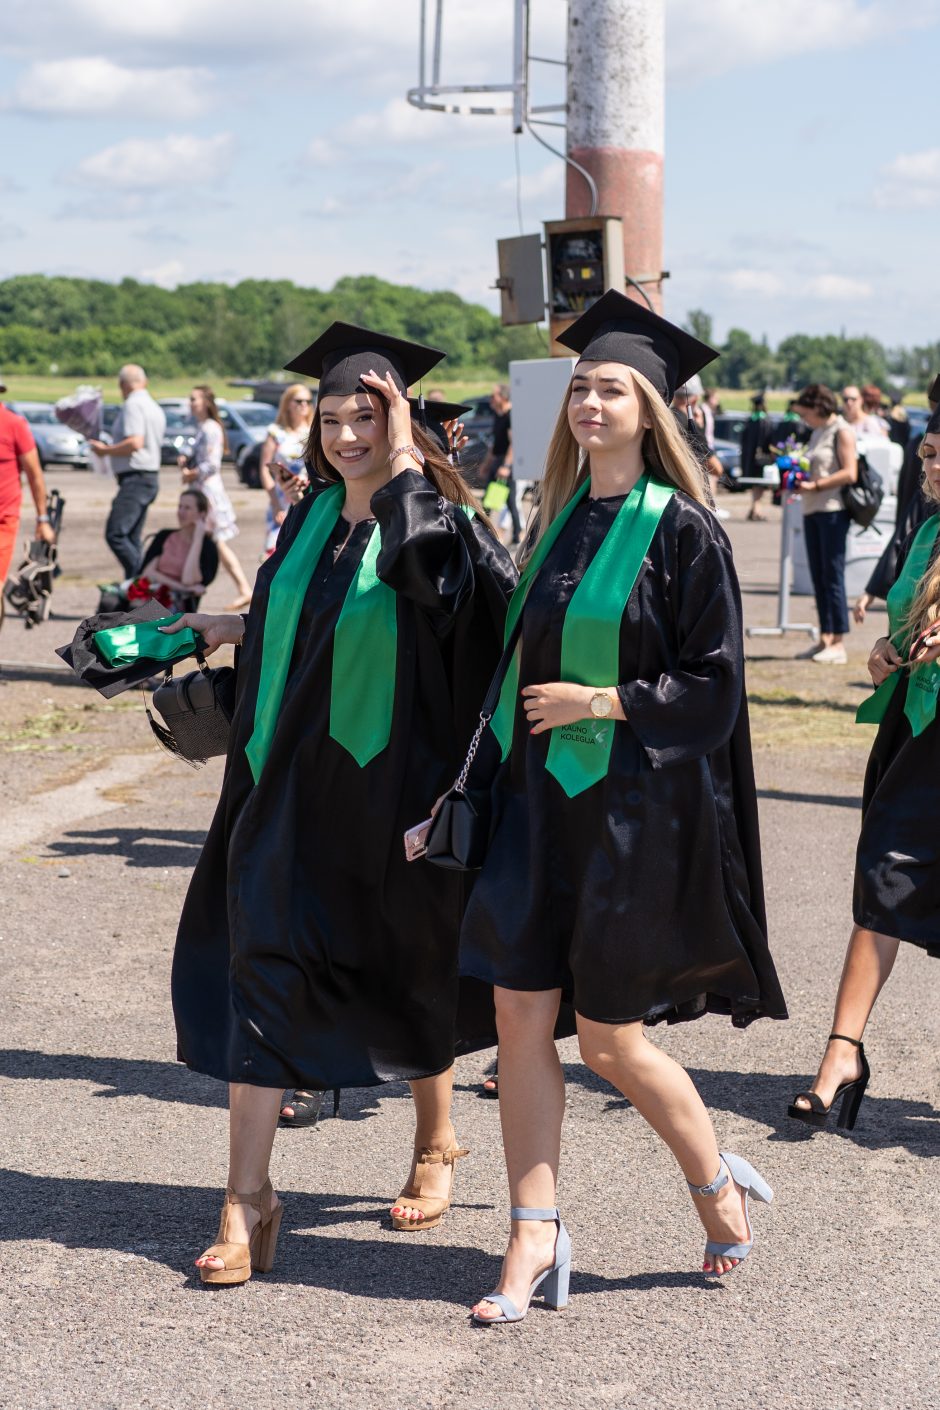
(169, 1082)
(139, 846)
(883, 1122)
(829, 800)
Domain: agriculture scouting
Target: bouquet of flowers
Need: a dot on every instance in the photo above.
(791, 462)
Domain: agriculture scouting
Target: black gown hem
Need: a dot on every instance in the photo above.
(888, 926)
(320, 1084)
(742, 1010)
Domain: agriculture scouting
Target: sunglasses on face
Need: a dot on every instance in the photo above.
(302, 401)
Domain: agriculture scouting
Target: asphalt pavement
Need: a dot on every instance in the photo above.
(113, 1155)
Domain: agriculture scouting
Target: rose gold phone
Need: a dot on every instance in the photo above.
(416, 840)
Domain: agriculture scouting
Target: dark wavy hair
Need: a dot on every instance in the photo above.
(819, 398)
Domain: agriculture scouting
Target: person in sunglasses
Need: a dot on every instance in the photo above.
(310, 954)
(283, 454)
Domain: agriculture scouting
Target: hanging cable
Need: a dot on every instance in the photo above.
(591, 183)
(518, 185)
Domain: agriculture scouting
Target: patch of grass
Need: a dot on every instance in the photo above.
(34, 730)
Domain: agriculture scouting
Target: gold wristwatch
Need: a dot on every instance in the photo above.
(602, 707)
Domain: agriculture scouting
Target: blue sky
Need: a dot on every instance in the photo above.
(175, 140)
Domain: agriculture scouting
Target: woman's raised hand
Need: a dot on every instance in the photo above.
(399, 411)
(454, 433)
(216, 631)
(883, 661)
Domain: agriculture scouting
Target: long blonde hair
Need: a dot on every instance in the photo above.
(926, 605)
(443, 476)
(282, 418)
(665, 451)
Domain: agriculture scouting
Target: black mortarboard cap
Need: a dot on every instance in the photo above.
(933, 425)
(344, 352)
(87, 663)
(436, 413)
(617, 329)
(439, 411)
(933, 391)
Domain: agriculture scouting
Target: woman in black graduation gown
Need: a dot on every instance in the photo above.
(310, 954)
(897, 871)
(624, 867)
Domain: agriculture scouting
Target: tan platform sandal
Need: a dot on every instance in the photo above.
(432, 1207)
(241, 1260)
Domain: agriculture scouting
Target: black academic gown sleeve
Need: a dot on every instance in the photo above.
(424, 556)
(688, 711)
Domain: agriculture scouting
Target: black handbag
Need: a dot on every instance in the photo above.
(459, 835)
(197, 711)
(863, 499)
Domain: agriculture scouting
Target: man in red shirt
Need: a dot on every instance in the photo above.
(18, 454)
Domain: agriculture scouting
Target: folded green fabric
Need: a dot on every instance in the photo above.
(121, 646)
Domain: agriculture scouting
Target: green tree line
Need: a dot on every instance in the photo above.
(801, 359)
(88, 328)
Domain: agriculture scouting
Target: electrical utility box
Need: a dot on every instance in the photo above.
(537, 388)
(521, 281)
(584, 259)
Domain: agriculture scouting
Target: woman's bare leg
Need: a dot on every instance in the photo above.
(869, 960)
(531, 1109)
(665, 1096)
(433, 1131)
(252, 1124)
(236, 572)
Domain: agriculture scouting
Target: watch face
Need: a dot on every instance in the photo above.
(601, 705)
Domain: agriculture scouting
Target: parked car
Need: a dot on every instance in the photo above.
(56, 444)
(245, 424)
(729, 453)
(179, 436)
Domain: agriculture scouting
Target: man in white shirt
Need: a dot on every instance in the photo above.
(135, 457)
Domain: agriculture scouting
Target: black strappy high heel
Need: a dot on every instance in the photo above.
(817, 1113)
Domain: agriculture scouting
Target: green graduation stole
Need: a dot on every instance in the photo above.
(365, 643)
(122, 646)
(920, 707)
(579, 754)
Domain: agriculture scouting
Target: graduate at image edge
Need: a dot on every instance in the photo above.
(624, 870)
(310, 953)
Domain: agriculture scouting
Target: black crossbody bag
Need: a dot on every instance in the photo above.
(459, 835)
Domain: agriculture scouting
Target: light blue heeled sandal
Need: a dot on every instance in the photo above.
(553, 1282)
(746, 1178)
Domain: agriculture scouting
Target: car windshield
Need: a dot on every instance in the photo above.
(40, 415)
(177, 420)
(253, 413)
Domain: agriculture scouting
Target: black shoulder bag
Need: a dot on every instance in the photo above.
(863, 499)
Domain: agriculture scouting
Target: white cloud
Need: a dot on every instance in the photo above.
(167, 275)
(763, 282)
(839, 288)
(725, 35)
(140, 164)
(910, 182)
(546, 184)
(95, 87)
(10, 231)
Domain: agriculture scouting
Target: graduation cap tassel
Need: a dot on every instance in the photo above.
(163, 737)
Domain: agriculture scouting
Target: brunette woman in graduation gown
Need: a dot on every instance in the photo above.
(632, 887)
(310, 954)
(897, 870)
